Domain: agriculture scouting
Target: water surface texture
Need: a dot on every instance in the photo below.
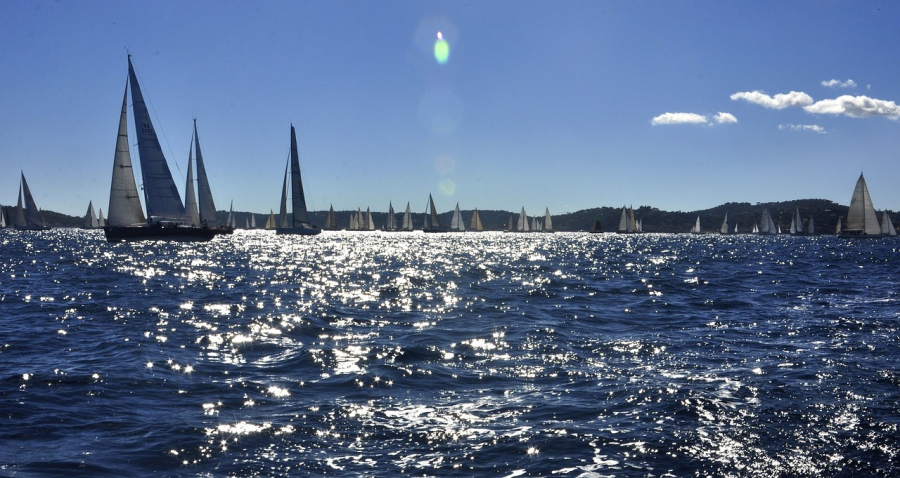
(449, 355)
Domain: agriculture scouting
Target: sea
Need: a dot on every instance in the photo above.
(476, 354)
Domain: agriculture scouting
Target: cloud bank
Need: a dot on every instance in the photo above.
(839, 84)
(777, 102)
(692, 118)
(855, 107)
(803, 127)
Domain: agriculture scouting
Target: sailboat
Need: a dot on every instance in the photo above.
(837, 229)
(475, 224)
(596, 227)
(432, 223)
(230, 222)
(861, 219)
(391, 223)
(166, 215)
(696, 228)
(407, 224)
(29, 217)
(887, 227)
(252, 221)
(368, 223)
(797, 224)
(726, 226)
(457, 224)
(548, 222)
(626, 222)
(205, 203)
(811, 229)
(522, 224)
(331, 221)
(270, 222)
(296, 222)
(766, 224)
(90, 220)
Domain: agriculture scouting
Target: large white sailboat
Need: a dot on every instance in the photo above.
(295, 221)
(166, 217)
(861, 219)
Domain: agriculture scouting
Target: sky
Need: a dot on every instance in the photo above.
(567, 105)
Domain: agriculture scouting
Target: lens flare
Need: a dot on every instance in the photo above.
(441, 49)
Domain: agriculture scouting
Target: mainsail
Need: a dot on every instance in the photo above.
(522, 225)
(90, 220)
(407, 219)
(33, 216)
(124, 202)
(204, 193)
(457, 223)
(861, 217)
(160, 193)
(475, 223)
(331, 222)
(391, 224)
(298, 200)
(190, 199)
(548, 223)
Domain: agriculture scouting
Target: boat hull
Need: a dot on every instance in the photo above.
(160, 233)
(298, 231)
(859, 235)
(32, 227)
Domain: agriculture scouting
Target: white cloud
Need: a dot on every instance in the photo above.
(855, 107)
(725, 118)
(803, 127)
(680, 118)
(839, 84)
(777, 102)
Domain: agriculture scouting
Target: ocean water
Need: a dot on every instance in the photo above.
(375, 354)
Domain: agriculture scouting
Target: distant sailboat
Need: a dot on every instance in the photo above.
(887, 227)
(391, 223)
(90, 220)
(331, 220)
(29, 217)
(522, 224)
(861, 219)
(432, 223)
(596, 227)
(295, 222)
(726, 226)
(766, 224)
(548, 221)
(475, 224)
(354, 220)
(797, 223)
(626, 221)
(369, 224)
(100, 220)
(230, 222)
(457, 224)
(270, 222)
(407, 224)
(811, 229)
(837, 229)
(696, 228)
(252, 221)
(166, 217)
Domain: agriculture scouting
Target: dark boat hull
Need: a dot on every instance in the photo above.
(160, 233)
(298, 231)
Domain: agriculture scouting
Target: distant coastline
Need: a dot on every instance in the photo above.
(825, 213)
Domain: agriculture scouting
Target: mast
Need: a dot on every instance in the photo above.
(160, 193)
(124, 201)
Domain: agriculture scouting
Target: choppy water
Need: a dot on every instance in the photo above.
(449, 355)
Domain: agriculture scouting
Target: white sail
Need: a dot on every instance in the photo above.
(160, 193)
(252, 221)
(837, 229)
(523, 221)
(370, 223)
(190, 199)
(696, 228)
(391, 224)
(204, 194)
(457, 223)
(812, 226)
(887, 227)
(548, 222)
(509, 225)
(124, 201)
(90, 220)
(407, 219)
(230, 222)
(724, 228)
(861, 217)
(623, 221)
(270, 222)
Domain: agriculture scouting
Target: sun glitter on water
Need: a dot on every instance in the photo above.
(441, 49)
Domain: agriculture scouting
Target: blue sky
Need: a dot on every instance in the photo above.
(560, 104)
